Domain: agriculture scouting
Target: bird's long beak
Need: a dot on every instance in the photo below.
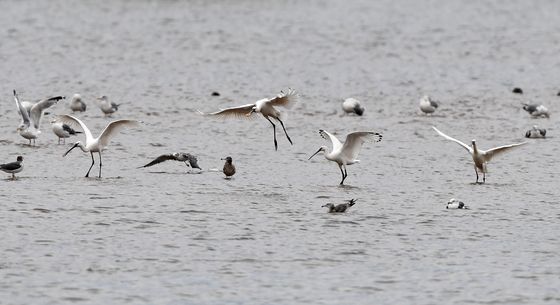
(73, 146)
(314, 154)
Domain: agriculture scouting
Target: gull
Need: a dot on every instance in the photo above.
(13, 167)
(346, 154)
(479, 156)
(229, 168)
(265, 107)
(62, 131)
(96, 144)
(535, 132)
(340, 208)
(183, 157)
(107, 107)
(352, 105)
(456, 204)
(31, 120)
(536, 110)
(77, 104)
(427, 105)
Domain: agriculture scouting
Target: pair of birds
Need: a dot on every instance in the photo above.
(107, 107)
(228, 170)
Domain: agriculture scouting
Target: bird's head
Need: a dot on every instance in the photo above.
(19, 158)
(228, 159)
(473, 142)
(359, 109)
(77, 144)
(321, 149)
(102, 98)
(76, 97)
(328, 205)
(20, 128)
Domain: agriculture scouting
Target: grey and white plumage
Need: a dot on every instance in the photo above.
(182, 157)
(346, 154)
(352, 105)
(536, 110)
(427, 105)
(340, 208)
(535, 132)
(455, 204)
(264, 107)
(479, 156)
(77, 104)
(63, 131)
(107, 107)
(13, 167)
(229, 168)
(31, 119)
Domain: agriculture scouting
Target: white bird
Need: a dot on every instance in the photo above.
(346, 154)
(352, 105)
(62, 131)
(427, 105)
(535, 132)
(96, 144)
(31, 120)
(77, 104)
(264, 107)
(536, 110)
(13, 167)
(456, 204)
(107, 107)
(479, 156)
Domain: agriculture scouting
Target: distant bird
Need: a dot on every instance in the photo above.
(346, 154)
(229, 168)
(480, 157)
(108, 108)
(517, 90)
(265, 107)
(427, 105)
(352, 105)
(535, 132)
(456, 204)
(183, 157)
(215, 93)
(340, 208)
(536, 110)
(31, 120)
(13, 167)
(77, 104)
(62, 131)
(96, 144)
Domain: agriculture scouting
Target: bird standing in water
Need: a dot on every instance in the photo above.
(229, 168)
(13, 167)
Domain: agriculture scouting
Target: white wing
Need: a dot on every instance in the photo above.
(37, 109)
(285, 99)
(68, 119)
(468, 148)
(354, 142)
(240, 112)
(491, 153)
(113, 128)
(336, 145)
(22, 110)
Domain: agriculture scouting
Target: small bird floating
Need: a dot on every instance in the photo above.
(517, 90)
(352, 105)
(456, 204)
(339, 208)
(535, 132)
(229, 168)
(13, 167)
(536, 110)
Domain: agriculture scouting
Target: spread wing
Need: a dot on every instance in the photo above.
(336, 145)
(285, 99)
(465, 146)
(355, 140)
(72, 120)
(37, 109)
(113, 128)
(160, 159)
(239, 112)
(22, 110)
(491, 153)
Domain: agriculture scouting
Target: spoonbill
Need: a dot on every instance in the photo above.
(77, 104)
(265, 107)
(339, 208)
(96, 144)
(352, 105)
(182, 157)
(62, 131)
(13, 167)
(479, 156)
(31, 119)
(229, 168)
(107, 107)
(535, 132)
(346, 154)
(427, 105)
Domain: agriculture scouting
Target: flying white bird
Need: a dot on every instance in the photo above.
(352, 105)
(264, 107)
(96, 144)
(479, 156)
(31, 120)
(427, 105)
(346, 154)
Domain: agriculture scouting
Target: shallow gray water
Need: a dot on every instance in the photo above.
(168, 235)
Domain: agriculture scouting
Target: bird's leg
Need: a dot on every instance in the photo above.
(281, 123)
(13, 176)
(274, 130)
(342, 172)
(186, 163)
(58, 141)
(100, 164)
(483, 177)
(92, 163)
(476, 172)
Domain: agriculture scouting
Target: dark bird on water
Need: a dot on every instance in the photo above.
(340, 208)
(182, 157)
(517, 90)
(229, 168)
(13, 167)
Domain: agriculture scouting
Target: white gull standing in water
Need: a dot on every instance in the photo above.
(31, 120)
(479, 156)
(427, 105)
(108, 108)
(77, 104)
(352, 105)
